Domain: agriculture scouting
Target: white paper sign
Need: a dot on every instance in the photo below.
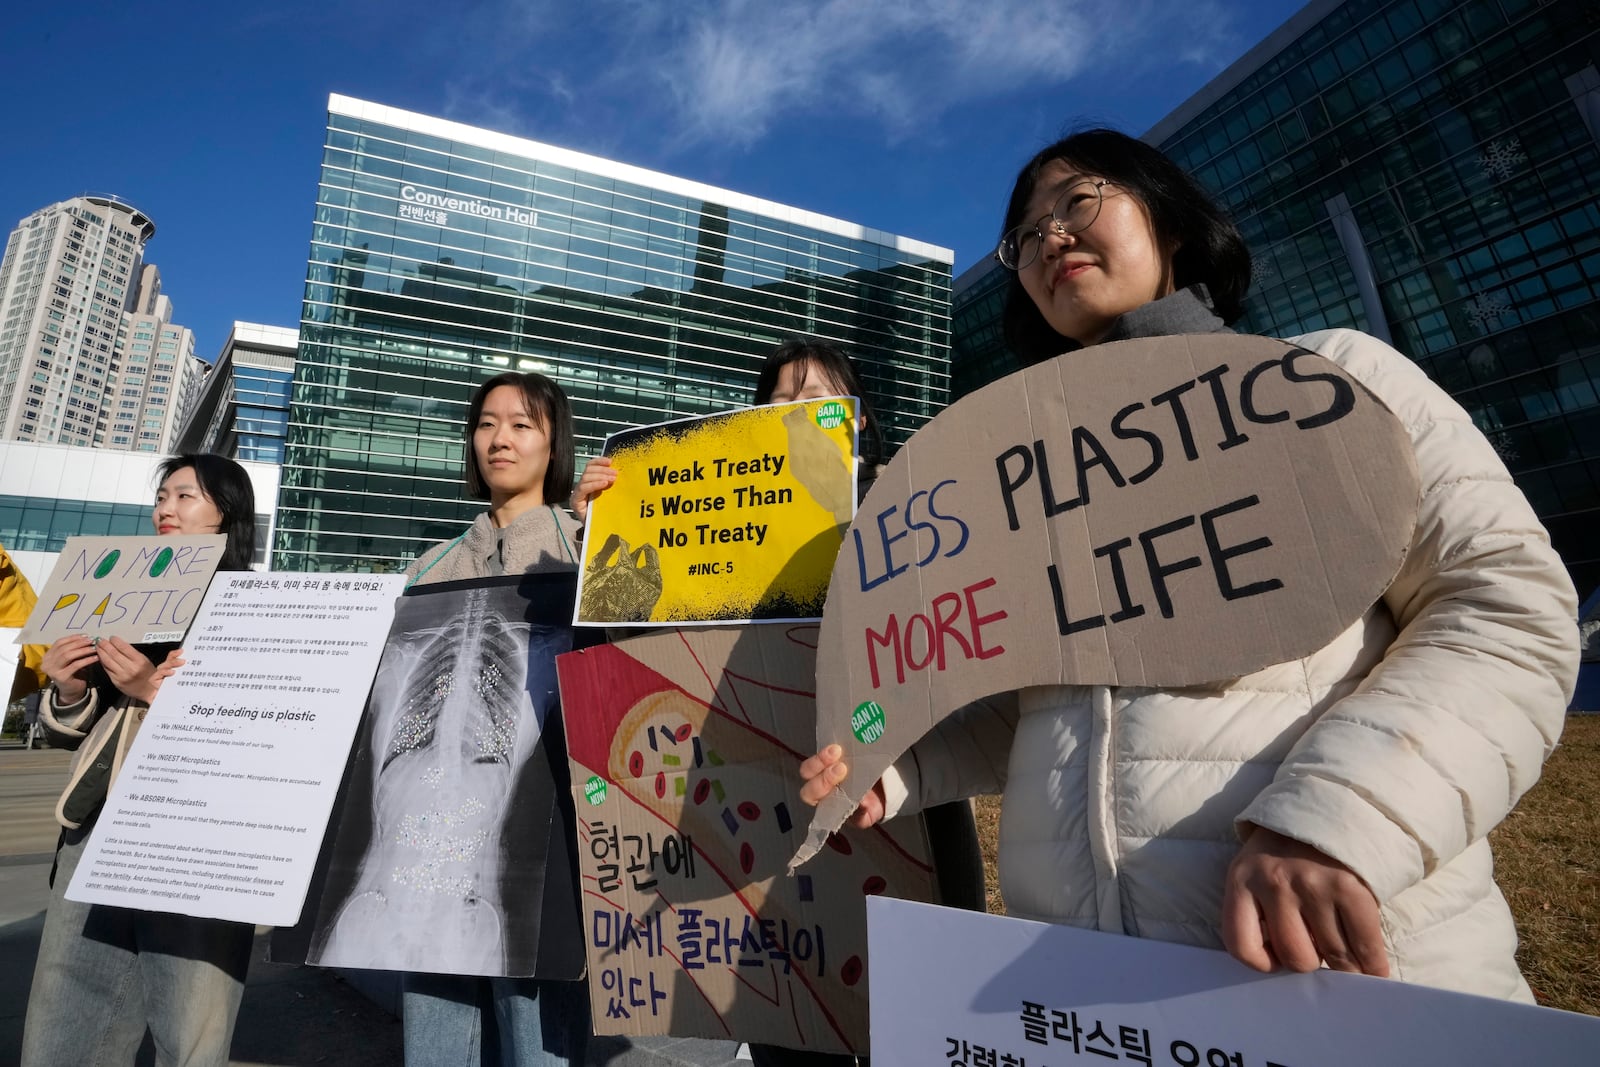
(960, 988)
(220, 807)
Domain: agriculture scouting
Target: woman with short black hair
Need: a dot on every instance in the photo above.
(518, 456)
(104, 974)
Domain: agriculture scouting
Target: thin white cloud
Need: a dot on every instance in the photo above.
(727, 71)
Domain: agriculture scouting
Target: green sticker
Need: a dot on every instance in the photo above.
(107, 563)
(831, 414)
(163, 558)
(866, 722)
(594, 790)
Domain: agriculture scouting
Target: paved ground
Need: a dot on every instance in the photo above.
(291, 1016)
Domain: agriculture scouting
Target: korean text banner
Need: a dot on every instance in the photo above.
(141, 589)
(221, 803)
(685, 749)
(723, 519)
(958, 987)
(1163, 512)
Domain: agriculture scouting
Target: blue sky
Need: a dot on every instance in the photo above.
(910, 116)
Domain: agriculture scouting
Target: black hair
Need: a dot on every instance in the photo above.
(838, 368)
(228, 487)
(549, 406)
(1209, 248)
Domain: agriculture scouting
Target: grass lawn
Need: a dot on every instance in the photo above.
(1547, 860)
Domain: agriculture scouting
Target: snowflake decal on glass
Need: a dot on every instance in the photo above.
(1261, 272)
(1503, 158)
(1504, 448)
(1486, 309)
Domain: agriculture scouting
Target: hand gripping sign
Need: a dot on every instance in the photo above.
(1160, 512)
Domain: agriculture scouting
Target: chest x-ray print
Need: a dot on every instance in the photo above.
(451, 853)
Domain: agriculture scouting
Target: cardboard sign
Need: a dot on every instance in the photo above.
(685, 749)
(724, 519)
(223, 798)
(959, 987)
(142, 589)
(449, 851)
(1161, 512)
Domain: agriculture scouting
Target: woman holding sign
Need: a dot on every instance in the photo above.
(809, 368)
(1332, 810)
(519, 457)
(104, 974)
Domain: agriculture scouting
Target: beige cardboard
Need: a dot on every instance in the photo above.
(1160, 512)
(141, 589)
(686, 746)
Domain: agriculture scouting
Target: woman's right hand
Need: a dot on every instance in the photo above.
(167, 669)
(598, 476)
(823, 772)
(66, 662)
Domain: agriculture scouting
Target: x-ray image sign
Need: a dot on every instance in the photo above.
(451, 850)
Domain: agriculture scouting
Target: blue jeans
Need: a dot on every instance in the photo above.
(106, 973)
(530, 1022)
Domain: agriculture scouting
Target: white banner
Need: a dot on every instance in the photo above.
(959, 988)
(220, 808)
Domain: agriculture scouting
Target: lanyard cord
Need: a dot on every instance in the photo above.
(447, 550)
(572, 558)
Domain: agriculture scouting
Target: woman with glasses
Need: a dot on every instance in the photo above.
(809, 368)
(1331, 810)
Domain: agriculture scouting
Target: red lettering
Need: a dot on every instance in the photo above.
(942, 625)
(978, 621)
(890, 638)
(927, 625)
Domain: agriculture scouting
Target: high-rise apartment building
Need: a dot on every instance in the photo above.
(89, 355)
(155, 374)
(1427, 171)
(65, 280)
(242, 407)
(443, 254)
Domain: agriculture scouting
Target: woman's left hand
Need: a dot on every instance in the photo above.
(128, 669)
(598, 476)
(1288, 905)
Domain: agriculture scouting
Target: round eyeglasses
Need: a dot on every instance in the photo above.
(1075, 211)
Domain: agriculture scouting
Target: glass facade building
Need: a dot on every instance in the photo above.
(243, 407)
(50, 492)
(978, 353)
(43, 524)
(1429, 171)
(442, 254)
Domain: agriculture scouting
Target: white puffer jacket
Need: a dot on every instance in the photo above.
(1395, 749)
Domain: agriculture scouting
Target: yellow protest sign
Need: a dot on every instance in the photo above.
(722, 519)
(17, 599)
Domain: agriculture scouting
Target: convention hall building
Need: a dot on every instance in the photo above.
(442, 254)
